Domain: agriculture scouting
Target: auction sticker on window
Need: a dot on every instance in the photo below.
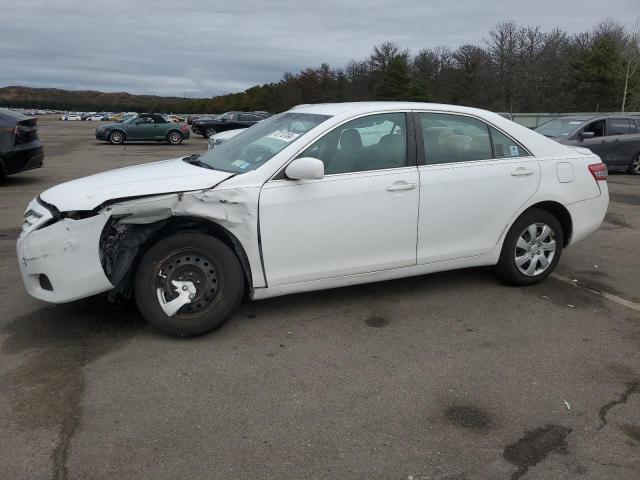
(284, 135)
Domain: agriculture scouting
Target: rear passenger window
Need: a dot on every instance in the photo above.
(504, 146)
(454, 138)
(618, 126)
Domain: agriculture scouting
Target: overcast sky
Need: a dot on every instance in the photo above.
(201, 48)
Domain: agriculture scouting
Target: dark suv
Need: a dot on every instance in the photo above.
(20, 148)
(227, 121)
(615, 139)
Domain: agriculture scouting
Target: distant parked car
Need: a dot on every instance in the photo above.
(20, 148)
(146, 126)
(616, 139)
(218, 138)
(97, 117)
(70, 116)
(227, 121)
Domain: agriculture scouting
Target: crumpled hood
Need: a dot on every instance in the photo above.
(154, 178)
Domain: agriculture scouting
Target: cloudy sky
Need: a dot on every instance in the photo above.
(202, 48)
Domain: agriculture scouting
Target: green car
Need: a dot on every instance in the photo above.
(143, 127)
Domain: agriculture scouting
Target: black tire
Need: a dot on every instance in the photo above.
(204, 314)
(634, 166)
(174, 137)
(507, 267)
(116, 137)
(209, 132)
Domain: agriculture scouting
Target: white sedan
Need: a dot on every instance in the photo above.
(218, 138)
(70, 116)
(320, 196)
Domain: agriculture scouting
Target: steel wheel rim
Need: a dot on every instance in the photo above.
(635, 166)
(535, 249)
(173, 138)
(189, 265)
(116, 137)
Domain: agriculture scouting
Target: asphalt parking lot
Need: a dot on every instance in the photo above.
(445, 376)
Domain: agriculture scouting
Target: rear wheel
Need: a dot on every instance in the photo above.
(174, 138)
(531, 249)
(634, 166)
(116, 138)
(189, 284)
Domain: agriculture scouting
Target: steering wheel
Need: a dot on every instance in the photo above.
(255, 153)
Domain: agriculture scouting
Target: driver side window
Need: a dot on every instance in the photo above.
(374, 142)
(596, 127)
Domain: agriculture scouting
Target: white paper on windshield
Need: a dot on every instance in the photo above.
(284, 136)
(574, 123)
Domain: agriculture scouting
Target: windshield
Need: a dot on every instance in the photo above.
(560, 127)
(260, 143)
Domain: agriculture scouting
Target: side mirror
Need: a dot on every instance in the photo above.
(585, 135)
(305, 168)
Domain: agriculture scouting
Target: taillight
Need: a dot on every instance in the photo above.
(599, 171)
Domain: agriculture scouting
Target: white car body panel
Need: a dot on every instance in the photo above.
(140, 180)
(463, 211)
(340, 230)
(339, 225)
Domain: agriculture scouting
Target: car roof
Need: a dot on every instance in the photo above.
(334, 109)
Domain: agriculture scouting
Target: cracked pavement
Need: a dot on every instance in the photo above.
(445, 376)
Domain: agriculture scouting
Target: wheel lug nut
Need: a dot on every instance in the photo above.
(185, 288)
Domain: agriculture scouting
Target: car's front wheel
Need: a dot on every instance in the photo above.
(116, 138)
(174, 138)
(188, 284)
(634, 166)
(209, 132)
(531, 249)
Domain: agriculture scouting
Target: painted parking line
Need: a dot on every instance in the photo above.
(609, 296)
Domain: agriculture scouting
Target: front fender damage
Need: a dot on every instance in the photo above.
(134, 224)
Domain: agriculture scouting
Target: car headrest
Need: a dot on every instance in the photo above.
(436, 134)
(457, 142)
(350, 140)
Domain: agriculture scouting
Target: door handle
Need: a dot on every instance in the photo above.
(521, 172)
(401, 186)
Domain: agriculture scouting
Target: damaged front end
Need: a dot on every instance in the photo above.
(120, 245)
(82, 254)
(229, 215)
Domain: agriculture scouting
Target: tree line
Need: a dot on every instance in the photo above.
(514, 69)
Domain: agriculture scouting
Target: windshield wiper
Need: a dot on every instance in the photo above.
(193, 160)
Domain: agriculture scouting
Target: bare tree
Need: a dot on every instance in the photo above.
(631, 58)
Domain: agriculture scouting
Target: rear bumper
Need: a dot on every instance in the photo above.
(67, 253)
(23, 159)
(588, 215)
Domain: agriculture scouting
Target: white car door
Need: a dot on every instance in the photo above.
(473, 181)
(361, 217)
